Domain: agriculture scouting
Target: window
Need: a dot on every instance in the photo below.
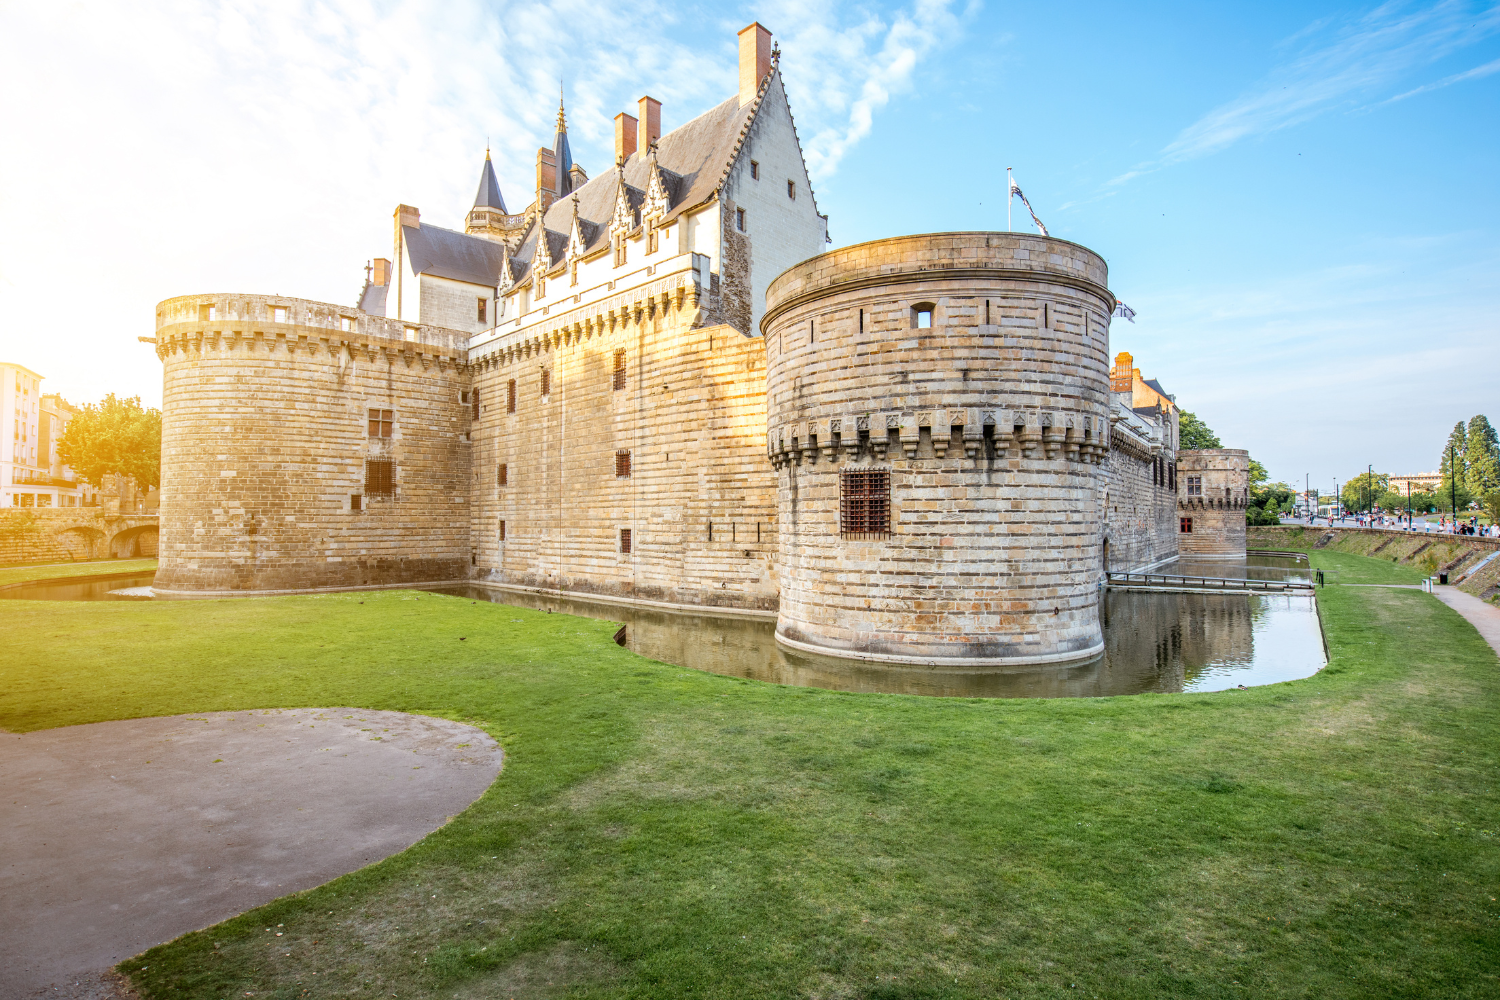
(791, 190)
(620, 372)
(510, 396)
(278, 314)
(865, 503)
(754, 171)
(625, 541)
(1195, 486)
(546, 381)
(502, 474)
(356, 502)
(484, 310)
(861, 321)
(382, 422)
(346, 323)
(812, 331)
(921, 315)
(573, 273)
(739, 219)
(208, 314)
(620, 251)
(1187, 526)
(541, 286)
(622, 465)
(411, 335)
(380, 478)
(652, 244)
(474, 401)
(501, 533)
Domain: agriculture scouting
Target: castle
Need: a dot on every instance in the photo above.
(653, 385)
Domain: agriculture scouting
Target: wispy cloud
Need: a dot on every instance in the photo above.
(1476, 73)
(1339, 65)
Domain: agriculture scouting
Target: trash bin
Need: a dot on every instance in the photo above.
(1443, 579)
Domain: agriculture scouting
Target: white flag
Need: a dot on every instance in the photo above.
(1015, 192)
(1121, 309)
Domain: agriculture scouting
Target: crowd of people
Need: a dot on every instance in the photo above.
(1404, 522)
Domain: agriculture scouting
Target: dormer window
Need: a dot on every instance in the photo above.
(652, 243)
(541, 286)
(619, 251)
(573, 273)
(791, 190)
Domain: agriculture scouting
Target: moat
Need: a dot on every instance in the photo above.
(1165, 642)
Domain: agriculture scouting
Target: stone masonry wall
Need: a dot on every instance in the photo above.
(699, 500)
(992, 424)
(1217, 514)
(1140, 515)
(264, 444)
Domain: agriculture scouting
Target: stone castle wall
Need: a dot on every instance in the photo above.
(993, 425)
(699, 499)
(1140, 506)
(265, 443)
(1216, 515)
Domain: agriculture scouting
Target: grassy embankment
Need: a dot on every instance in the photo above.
(1410, 557)
(51, 571)
(662, 832)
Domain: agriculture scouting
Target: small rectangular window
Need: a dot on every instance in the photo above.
(1195, 486)
(861, 321)
(652, 243)
(812, 331)
(573, 273)
(474, 401)
(484, 310)
(381, 423)
(865, 503)
(278, 314)
(791, 190)
(622, 464)
(546, 381)
(754, 171)
(924, 319)
(380, 478)
(411, 335)
(541, 286)
(1187, 526)
(739, 219)
(620, 370)
(356, 501)
(502, 531)
(502, 474)
(620, 252)
(346, 324)
(510, 396)
(625, 541)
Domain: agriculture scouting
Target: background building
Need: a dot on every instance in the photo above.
(30, 425)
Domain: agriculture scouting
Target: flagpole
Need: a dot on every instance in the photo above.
(1008, 199)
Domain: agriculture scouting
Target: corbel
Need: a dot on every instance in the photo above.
(911, 432)
(973, 433)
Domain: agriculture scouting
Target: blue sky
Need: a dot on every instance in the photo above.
(1299, 200)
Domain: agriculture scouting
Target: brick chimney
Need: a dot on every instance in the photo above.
(625, 126)
(546, 178)
(381, 273)
(1122, 375)
(648, 127)
(755, 60)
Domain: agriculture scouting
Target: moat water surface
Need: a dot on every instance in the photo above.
(1153, 642)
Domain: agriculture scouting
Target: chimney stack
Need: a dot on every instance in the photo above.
(648, 129)
(625, 127)
(408, 216)
(755, 60)
(546, 178)
(382, 272)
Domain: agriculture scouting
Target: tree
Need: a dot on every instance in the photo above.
(1364, 489)
(1491, 505)
(1258, 474)
(1453, 452)
(1448, 492)
(1193, 433)
(114, 437)
(1482, 455)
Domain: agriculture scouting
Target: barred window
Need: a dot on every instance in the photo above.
(625, 541)
(620, 371)
(546, 381)
(502, 475)
(474, 399)
(510, 396)
(502, 531)
(381, 423)
(380, 478)
(865, 503)
(622, 464)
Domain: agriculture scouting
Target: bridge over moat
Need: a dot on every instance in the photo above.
(75, 533)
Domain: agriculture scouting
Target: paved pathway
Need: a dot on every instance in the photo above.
(117, 836)
(1483, 616)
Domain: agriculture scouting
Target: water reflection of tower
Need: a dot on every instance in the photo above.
(1217, 629)
(1166, 640)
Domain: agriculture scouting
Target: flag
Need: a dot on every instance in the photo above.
(1015, 192)
(1121, 309)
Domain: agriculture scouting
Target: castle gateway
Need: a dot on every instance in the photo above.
(649, 386)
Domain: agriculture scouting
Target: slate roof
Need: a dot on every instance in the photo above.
(692, 158)
(489, 188)
(448, 254)
(1157, 386)
(372, 299)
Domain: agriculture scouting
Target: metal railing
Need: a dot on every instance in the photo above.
(1167, 581)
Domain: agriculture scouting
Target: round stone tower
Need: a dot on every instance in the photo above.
(937, 415)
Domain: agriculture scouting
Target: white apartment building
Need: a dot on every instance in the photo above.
(30, 473)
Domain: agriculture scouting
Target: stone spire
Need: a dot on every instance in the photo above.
(489, 187)
(562, 155)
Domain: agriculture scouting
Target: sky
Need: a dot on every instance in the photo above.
(1299, 200)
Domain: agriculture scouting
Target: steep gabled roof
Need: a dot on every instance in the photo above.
(489, 188)
(448, 254)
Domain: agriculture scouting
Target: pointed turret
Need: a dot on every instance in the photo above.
(489, 187)
(562, 154)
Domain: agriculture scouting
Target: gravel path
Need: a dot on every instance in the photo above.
(118, 836)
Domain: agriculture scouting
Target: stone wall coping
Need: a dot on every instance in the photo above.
(246, 315)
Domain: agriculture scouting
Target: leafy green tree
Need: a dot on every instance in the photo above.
(1449, 491)
(114, 437)
(1364, 489)
(1491, 506)
(1193, 433)
(1424, 501)
(1482, 455)
(1391, 500)
(1453, 452)
(1258, 474)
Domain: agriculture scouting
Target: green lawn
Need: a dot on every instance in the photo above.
(659, 832)
(49, 571)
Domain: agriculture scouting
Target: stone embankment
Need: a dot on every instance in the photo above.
(1462, 557)
(71, 534)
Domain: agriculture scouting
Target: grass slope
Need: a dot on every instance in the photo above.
(660, 832)
(53, 571)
